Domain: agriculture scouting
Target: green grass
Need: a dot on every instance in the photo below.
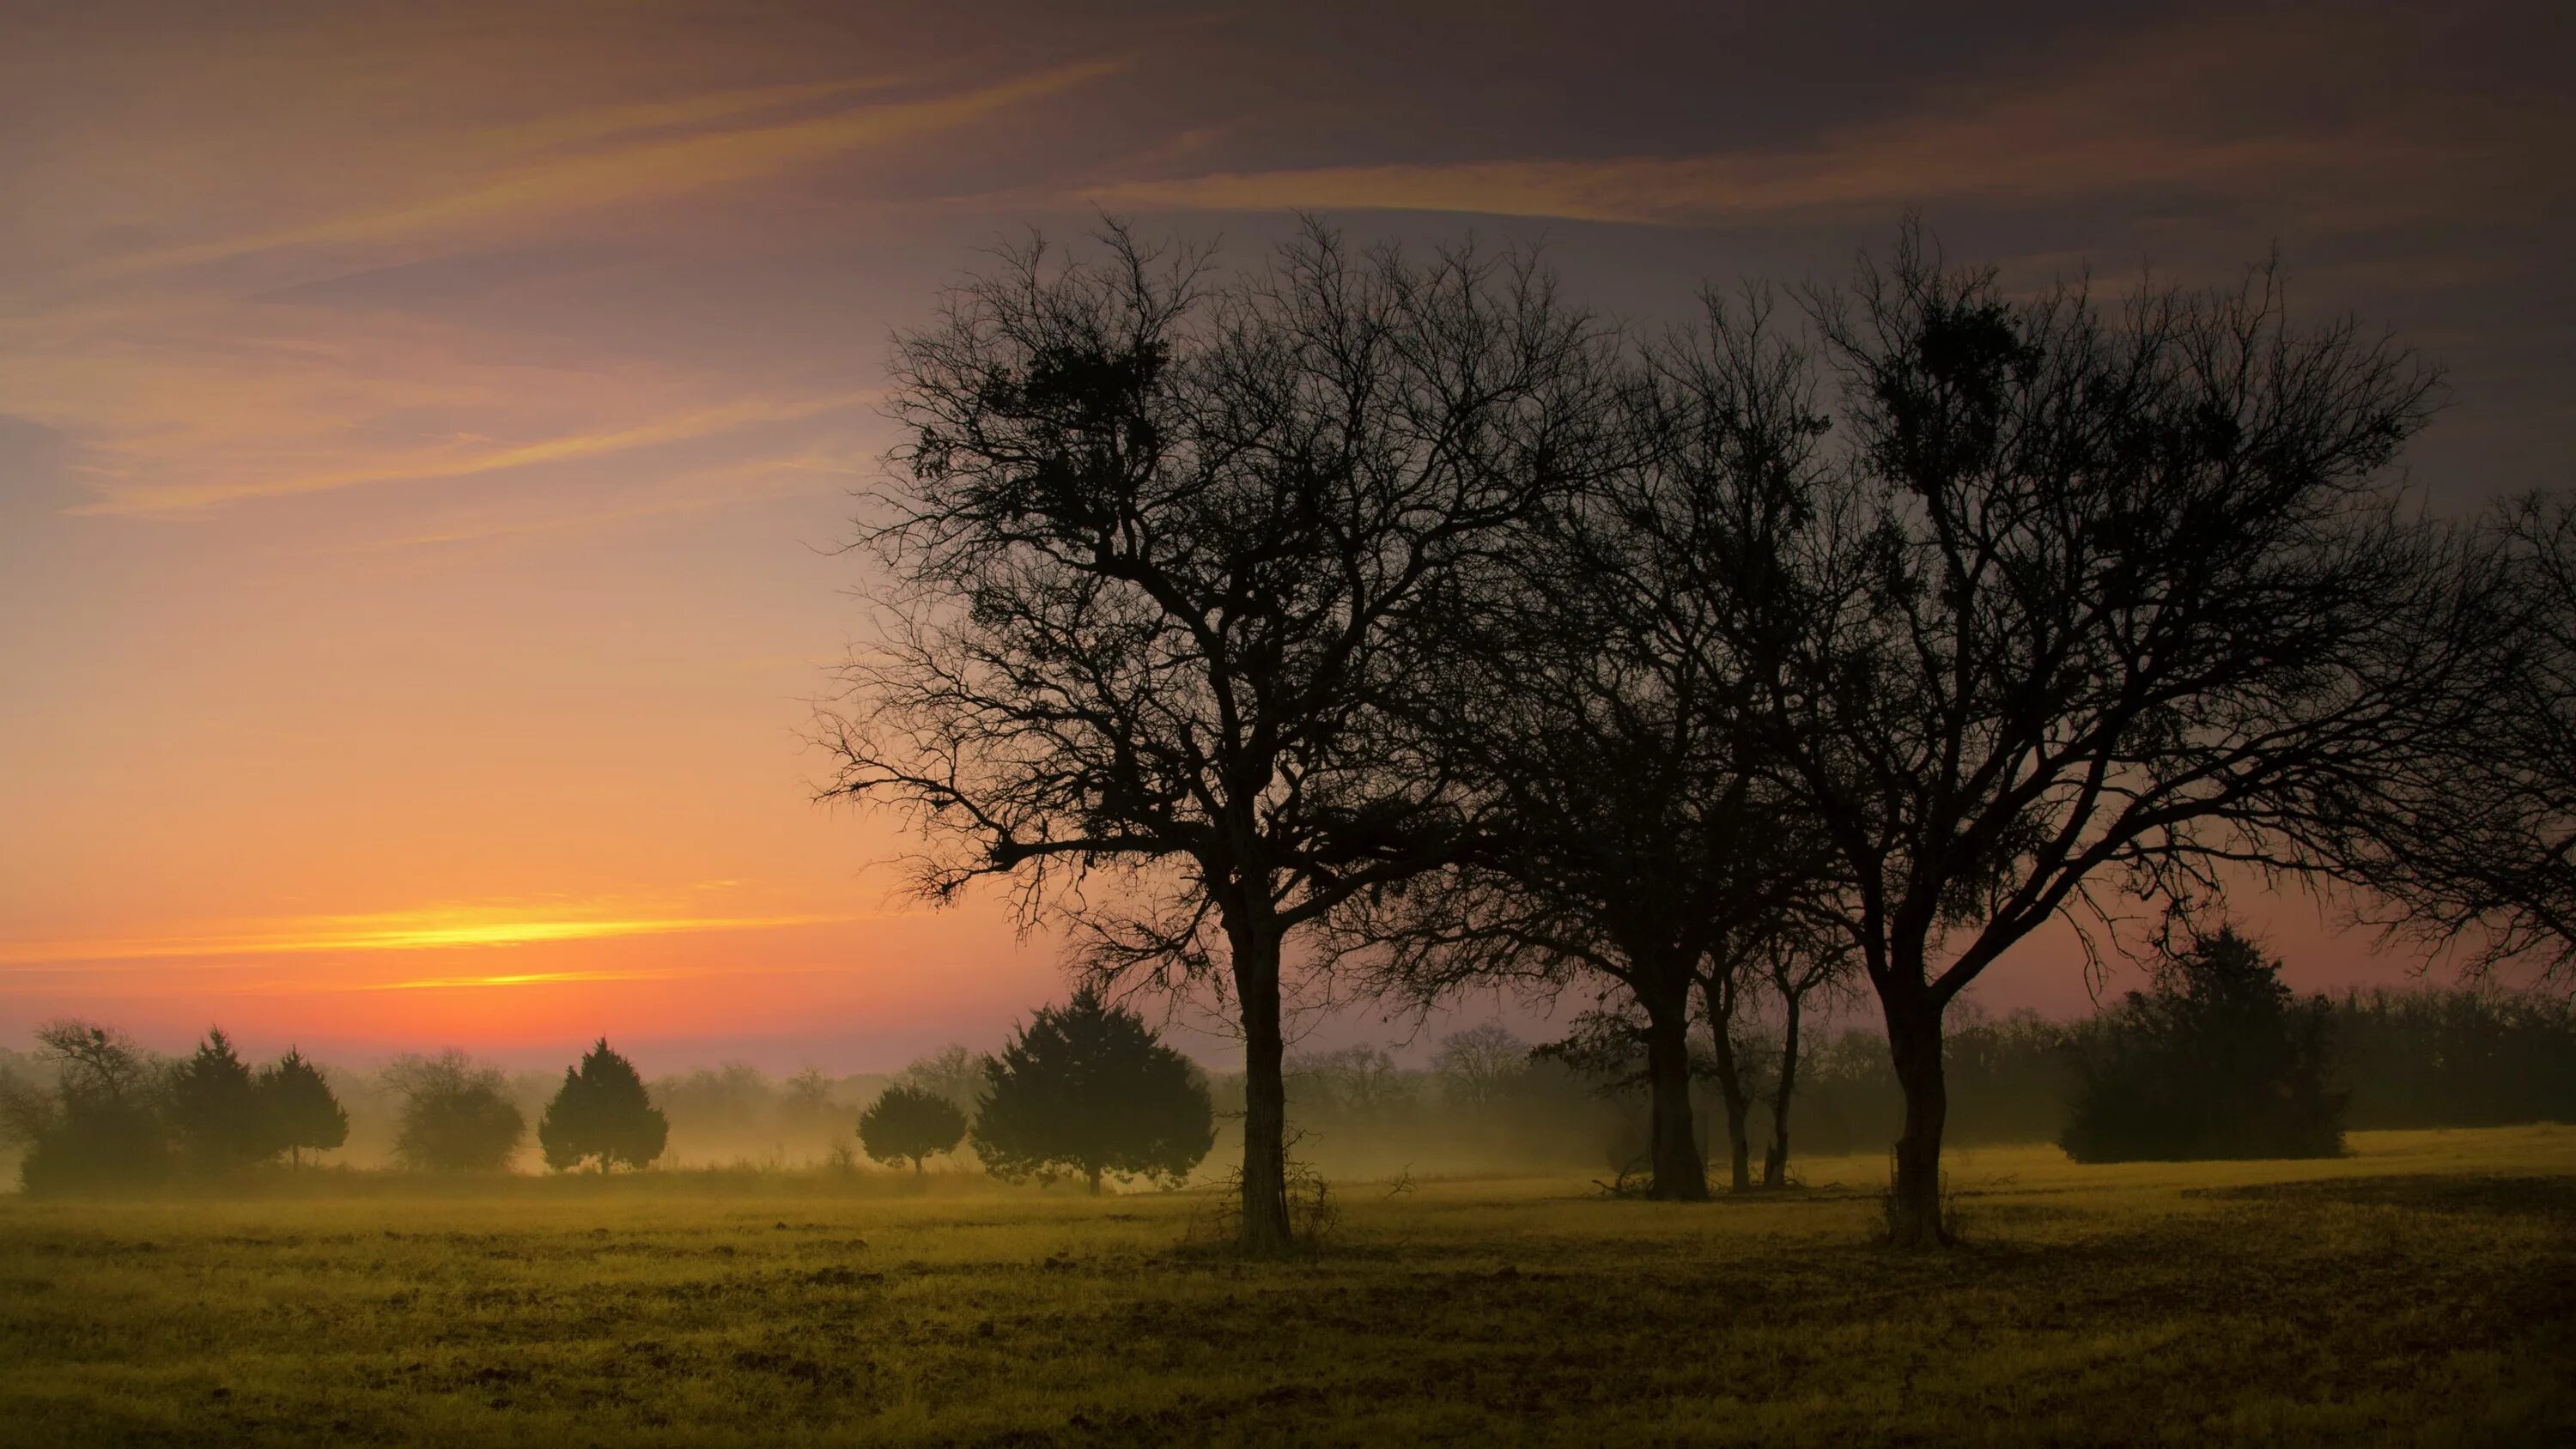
(2420, 1291)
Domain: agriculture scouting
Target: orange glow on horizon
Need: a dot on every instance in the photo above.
(429, 928)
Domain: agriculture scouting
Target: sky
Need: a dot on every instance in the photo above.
(425, 431)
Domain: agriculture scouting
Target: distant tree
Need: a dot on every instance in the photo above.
(602, 1113)
(456, 1117)
(216, 1112)
(103, 1130)
(1087, 1087)
(2217, 1061)
(1478, 1066)
(952, 1072)
(303, 1113)
(810, 1089)
(1162, 547)
(1355, 1083)
(907, 1123)
(2483, 1057)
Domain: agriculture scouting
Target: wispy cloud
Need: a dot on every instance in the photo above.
(599, 123)
(687, 493)
(641, 171)
(1714, 190)
(2176, 109)
(467, 457)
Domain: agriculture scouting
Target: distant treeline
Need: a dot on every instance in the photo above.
(2397, 1059)
(1086, 1090)
(1486, 1101)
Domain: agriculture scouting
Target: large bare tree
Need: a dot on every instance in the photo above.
(2099, 595)
(1159, 546)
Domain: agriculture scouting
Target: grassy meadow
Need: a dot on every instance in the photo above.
(2421, 1290)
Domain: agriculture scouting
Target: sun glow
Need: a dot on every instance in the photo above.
(428, 928)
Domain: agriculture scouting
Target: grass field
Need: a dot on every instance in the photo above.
(2419, 1291)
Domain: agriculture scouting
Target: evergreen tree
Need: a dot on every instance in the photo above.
(302, 1111)
(602, 1111)
(910, 1123)
(216, 1111)
(1087, 1087)
(2219, 1060)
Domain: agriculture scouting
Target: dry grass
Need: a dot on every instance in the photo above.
(2421, 1291)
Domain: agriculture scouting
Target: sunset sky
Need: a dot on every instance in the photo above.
(424, 429)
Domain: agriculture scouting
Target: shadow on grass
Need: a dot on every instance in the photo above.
(2504, 1196)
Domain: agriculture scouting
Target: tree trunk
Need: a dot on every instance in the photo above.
(1739, 1109)
(1095, 1182)
(1265, 1090)
(1680, 1175)
(1914, 1198)
(1775, 1160)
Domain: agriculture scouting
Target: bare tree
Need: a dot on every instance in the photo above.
(1358, 1081)
(94, 1060)
(2097, 594)
(2472, 848)
(1476, 1067)
(1161, 545)
(1638, 839)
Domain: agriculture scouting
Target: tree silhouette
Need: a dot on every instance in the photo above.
(216, 1112)
(456, 1117)
(303, 1114)
(103, 1128)
(1164, 551)
(602, 1112)
(908, 1123)
(1636, 839)
(1478, 1067)
(1797, 966)
(1087, 1087)
(2218, 1061)
(952, 1072)
(2472, 847)
(2096, 595)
